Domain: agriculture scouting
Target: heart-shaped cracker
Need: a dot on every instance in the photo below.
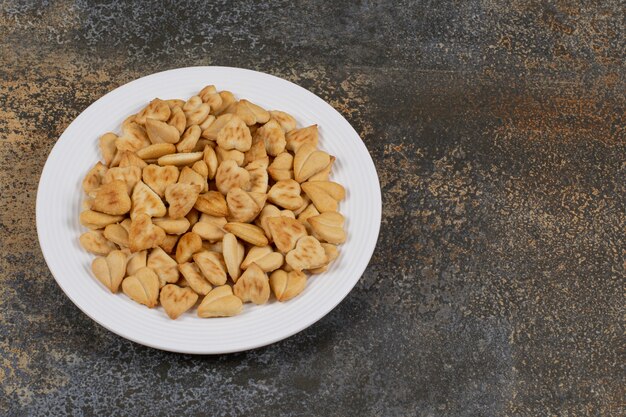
(286, 194)
(305, 202)
(95, 220)
(180, 159)
(94, 178)
(285, 232)
(210, 96)
(253, 285)
(133, 138)
(261, 115)
(135, 261)
(308, 162)
(270, 211)
(176, 300)
(233, 252)
(287, 285)
(228, 99)
(207, 218)
(258, 175)
(286, 121)
(273, 136)
(212, 203)
(189, 139)
(163, 265)
(210, 227)
(232, 155)
(220, 302)
(181, 198)
(158, 178)
(172, 226)
(142, 287)
(188, 244)
(260, 198)
(207, 92)
(196, 111)
(328, 227)
(332, 253)
(264, 257)
(194, 278)
(234, 135)
(288, 213)
(117, 234)
(161, 132)
(169, 243)
(324, 174)
(324, 194)
(251, 113)
(229, 175)
(256, 151)
(112, 198)
(309, 211)
(333, 189)
(106, 143)
(299, 137)
(205, 125)
(189, 176)
(156, 110)
(174, 102)
(178, 119)
(232, 108)
(307, 254)
(131, 159)
(214, 128)
(242, 205)
(146, 201)
(212, 266)
(202, 169)
(156, 151)
(95, 242)
(130, 175)
(110, 270)
(247, 232)
(210, 159)
(143, 234)
(281, 167)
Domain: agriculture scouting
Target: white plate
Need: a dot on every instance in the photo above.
(60, 195)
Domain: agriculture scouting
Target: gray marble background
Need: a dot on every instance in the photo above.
(497, 128)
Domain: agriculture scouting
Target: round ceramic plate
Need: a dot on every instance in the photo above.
(60, 195)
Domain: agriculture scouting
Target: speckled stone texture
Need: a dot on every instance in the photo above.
(498, 132)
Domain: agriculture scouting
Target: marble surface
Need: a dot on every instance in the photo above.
(497, 128)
